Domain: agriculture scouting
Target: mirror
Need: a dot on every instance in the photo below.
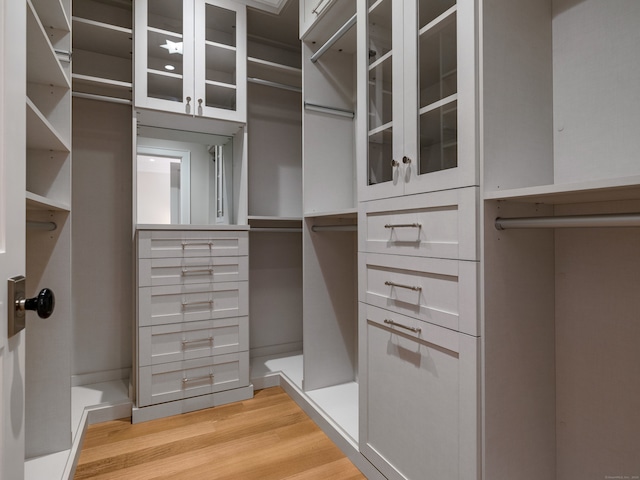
(183, 177)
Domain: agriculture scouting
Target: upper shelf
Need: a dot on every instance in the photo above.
(51, 13)
(102, 38)
(610, 189)
(41, 134)
(42, 64)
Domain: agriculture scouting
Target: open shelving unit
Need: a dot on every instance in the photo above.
(102, 39)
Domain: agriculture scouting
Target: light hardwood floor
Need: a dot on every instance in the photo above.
(267, 437)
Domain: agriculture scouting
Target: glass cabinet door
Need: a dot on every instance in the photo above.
(165, 79)
(220, 59)
(382, 163)
(445, 115)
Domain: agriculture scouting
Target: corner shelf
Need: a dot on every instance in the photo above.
(38, 202)
(41, 134)
(42, 64)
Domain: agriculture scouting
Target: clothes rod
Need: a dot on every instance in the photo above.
(46, 226)
(269, 83)
(570, 221)
(275, 230)
(102, 98)
(330, 110)
(334, 228)
(334, 38)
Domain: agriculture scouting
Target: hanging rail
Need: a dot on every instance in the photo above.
(334, 38)
(269, 83)
(334, 228)
(102, 98)
(330, 110)
(46, 226)
(570, 221)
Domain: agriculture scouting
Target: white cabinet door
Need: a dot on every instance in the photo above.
(191, 57)
(164, 55)
(418, 399)
(420, 83)
(220, 60)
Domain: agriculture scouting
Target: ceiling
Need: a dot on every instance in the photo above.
(281, 27)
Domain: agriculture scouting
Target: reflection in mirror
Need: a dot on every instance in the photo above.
(183, 177)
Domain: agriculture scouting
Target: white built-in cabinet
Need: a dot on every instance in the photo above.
(48, 204)
(420, 84)
(191, 57)
(419, 331)
(192, 328)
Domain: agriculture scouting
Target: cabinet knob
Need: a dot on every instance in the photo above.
(43, 304)
(188, 100)
(406, 160)
(394, 163)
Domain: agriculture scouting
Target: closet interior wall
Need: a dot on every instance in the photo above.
(275, 182)
(102, 239)
(560, 320)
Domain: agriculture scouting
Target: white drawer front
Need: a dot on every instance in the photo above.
(187, 270)
(178, 380)
(413, 393)
(189, 303)
(439, 224)
(434, 290)
(185, 341)
(190, 243)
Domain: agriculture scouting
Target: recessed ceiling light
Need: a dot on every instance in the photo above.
(169, 67)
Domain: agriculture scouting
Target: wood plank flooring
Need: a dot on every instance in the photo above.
(267, 437)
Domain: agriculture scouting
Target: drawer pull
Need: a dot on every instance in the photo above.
(197, 244)
(199, 340)
(317, 8)
(399, 285)
(203, 271)
(191, 304)
(403, 225)
(395, 324)
(197, 379)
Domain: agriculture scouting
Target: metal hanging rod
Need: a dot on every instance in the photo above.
(46, 226)
(275, 230)
(102, 98)
(330, 110)
(334, 38)
(570, 221)
(334, 228)
(269, 83)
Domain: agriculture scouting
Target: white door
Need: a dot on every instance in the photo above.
(12, 232)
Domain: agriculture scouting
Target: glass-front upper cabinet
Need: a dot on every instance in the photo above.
(191, 57)
(421, 96)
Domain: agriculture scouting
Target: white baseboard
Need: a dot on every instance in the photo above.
(275, 349)
(99, 377)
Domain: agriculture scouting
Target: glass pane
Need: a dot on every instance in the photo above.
(438, 62)
(380, 105)
(438, 139)
(221, 97)
(220, 25)
(380, 30)
(163, 87)
(380, 157)
(429, 10)
(221, 64)
(165, 15)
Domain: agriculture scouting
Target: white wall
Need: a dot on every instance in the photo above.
(154, 197)
(102, 239)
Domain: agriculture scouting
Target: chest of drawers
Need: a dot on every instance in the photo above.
(192, 324)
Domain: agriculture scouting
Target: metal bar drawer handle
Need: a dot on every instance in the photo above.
(190, 304)
(413, 329)
(196, 244)
(197, 379)
(403, 225)
(200, 340)
(399, 285)
(203, 271)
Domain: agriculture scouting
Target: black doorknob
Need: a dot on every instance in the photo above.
(43, 304)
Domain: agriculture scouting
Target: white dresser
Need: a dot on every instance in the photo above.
(192, 328)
